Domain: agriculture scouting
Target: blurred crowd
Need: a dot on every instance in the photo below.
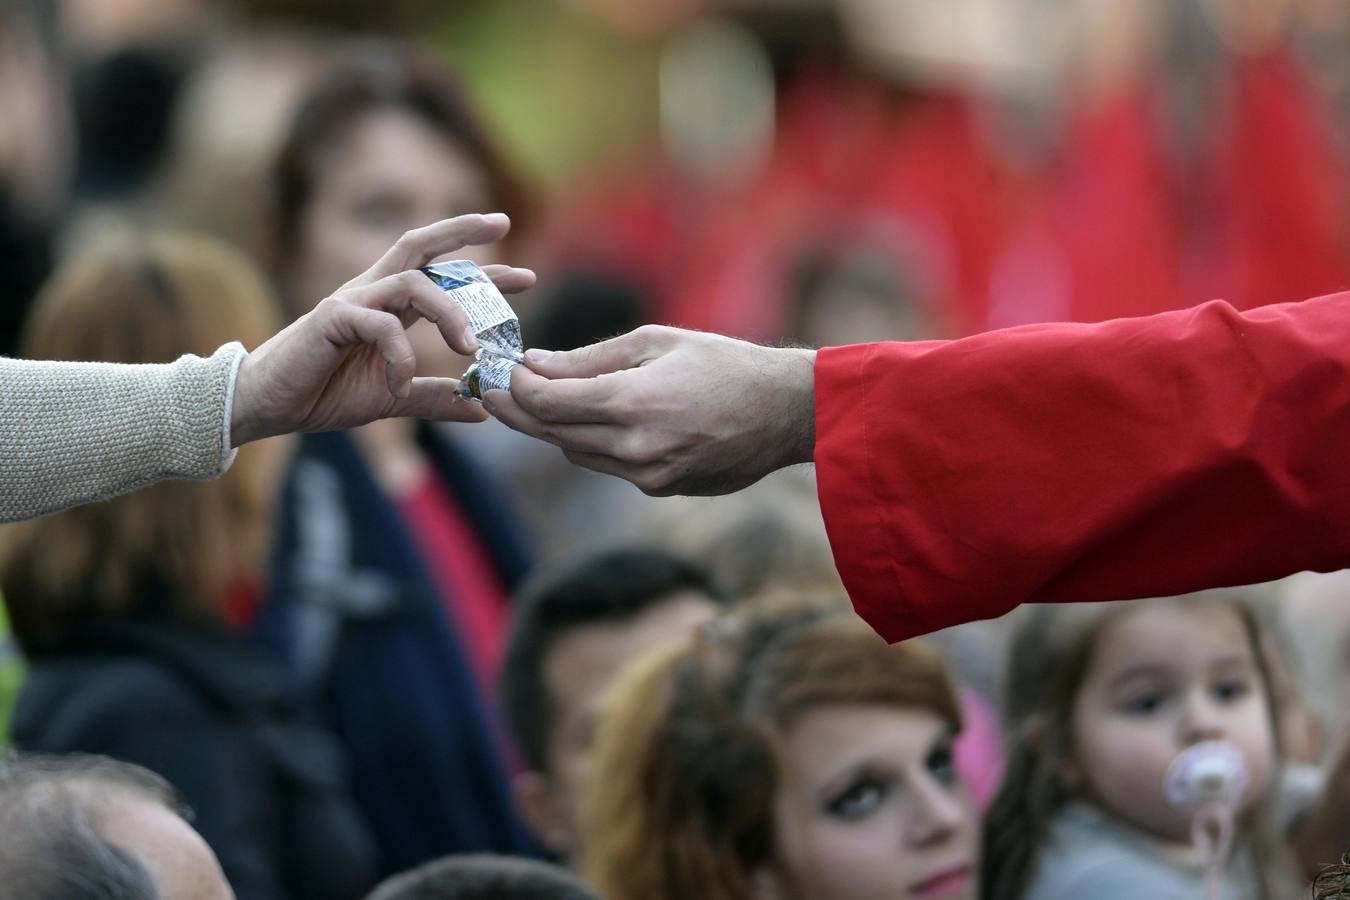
(439, 656)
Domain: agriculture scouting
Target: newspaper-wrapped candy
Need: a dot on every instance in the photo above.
(493, 321)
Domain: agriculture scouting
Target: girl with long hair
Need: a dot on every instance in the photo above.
(1111, 707)
(785, 754)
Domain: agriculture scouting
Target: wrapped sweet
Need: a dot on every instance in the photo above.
(493, 321)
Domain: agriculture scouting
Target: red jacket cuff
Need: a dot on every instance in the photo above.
(856, 520)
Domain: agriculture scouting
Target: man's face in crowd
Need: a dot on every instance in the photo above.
(579, 670)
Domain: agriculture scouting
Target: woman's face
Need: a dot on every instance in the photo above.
(1164, 677)
(870, 806)
(392, 172)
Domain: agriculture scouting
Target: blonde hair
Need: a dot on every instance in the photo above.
(143, 299)
(1052, 647)
(687, 751)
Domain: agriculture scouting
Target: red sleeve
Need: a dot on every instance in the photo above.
(1133, 458)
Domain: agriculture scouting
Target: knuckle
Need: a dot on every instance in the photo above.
(650, 337)
(654, 482)
(639, 447)
(644, 337)
(337, 306)
(632, 405)
(412, 242)
(621, 410)
(536, 400)
(546, 405)
(582, 357)
(552, 436)
(386, 322)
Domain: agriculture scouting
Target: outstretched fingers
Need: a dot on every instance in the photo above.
(346, 325)
(410, 295)
(510, 279)
(420, 246)
(614, 355)
(584, 437)
(565, 400)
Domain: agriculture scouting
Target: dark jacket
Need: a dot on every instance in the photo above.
(214, 716)
(358, 616)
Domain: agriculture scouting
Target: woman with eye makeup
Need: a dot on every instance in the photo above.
(780, 755)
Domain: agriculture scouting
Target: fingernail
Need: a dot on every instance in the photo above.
(488, 404)
(537, 356)
(497, 217)
(470, 339)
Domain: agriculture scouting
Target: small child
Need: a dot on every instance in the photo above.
(1107, 704)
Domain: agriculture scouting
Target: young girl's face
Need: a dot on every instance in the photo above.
(1161, 678)
(869, 806)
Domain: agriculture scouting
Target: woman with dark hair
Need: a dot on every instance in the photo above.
(396, 555)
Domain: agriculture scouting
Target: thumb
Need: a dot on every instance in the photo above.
(614, 355)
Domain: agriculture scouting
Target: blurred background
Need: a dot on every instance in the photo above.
(812, 170)
(818, 172)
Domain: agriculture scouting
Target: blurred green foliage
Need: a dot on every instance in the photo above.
(11, 675)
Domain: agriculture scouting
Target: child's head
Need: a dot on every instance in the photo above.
(786, 754)
(1103, 697)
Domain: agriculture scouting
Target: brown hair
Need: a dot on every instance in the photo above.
(1333, 882)
(142, 300)
(1052, 647)
(684, 806)
(375, 76)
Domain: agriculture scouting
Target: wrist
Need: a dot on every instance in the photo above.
(799, 417)
(244, 423)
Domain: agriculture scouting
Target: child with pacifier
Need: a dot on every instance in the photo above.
(1142, 757)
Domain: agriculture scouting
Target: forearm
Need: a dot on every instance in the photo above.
(72, 433)
(1134, 458)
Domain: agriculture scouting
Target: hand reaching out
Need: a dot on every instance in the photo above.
(672, 411)
(348, 361)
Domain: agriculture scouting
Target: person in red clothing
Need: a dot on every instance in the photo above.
(1138, 457)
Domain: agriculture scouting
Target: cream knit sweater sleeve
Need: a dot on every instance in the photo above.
(73, 433)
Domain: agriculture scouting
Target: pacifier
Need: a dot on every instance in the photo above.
(1209, 779)
(1212, 772)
